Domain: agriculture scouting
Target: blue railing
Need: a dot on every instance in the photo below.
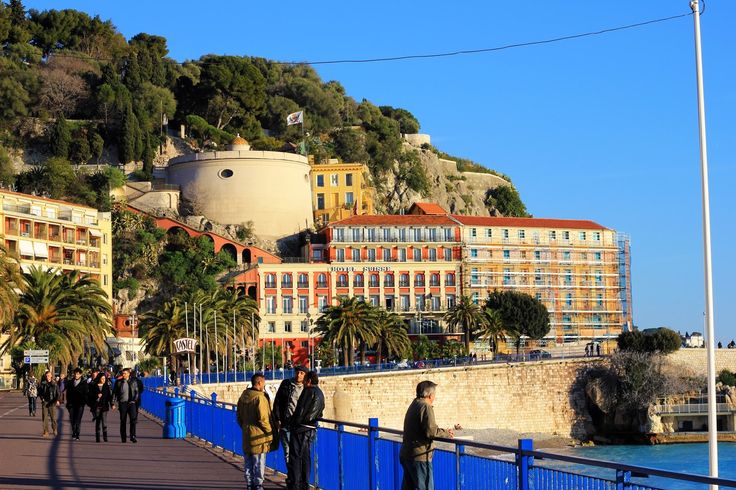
(366, 457)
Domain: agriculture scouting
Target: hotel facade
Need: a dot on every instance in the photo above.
(419, 264)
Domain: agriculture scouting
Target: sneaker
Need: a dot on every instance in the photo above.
(55, 434)
(133, 440)
(45, 434)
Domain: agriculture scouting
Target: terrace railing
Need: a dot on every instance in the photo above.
(366, 456)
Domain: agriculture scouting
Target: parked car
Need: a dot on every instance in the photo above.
(537, 354)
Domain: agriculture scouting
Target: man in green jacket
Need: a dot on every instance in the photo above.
(254, 418)
(416, 447)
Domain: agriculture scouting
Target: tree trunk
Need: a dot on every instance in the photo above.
(467, 340)
(362, 353)
(379, 352)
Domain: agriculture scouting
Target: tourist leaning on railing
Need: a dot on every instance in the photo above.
(420, 429)
(284, 404)
(308, 411)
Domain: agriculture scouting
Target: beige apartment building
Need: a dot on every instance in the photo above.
(59, 235)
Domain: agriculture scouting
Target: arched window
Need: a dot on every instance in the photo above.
(358, 281)
(286, 281)
(419, 280)
(342, 281)
(322, 280)
(388, 280)
(270, 280)
(374, 281)
(450, 279)
(434, 280)
(404, 280)
(303, 281)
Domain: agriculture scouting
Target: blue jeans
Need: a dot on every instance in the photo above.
(418, 475)
(255, 469)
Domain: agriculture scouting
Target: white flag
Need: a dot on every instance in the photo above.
(295, 118)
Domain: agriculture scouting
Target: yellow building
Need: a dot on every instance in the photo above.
(339, 191)
(7, 374)
(578, 269)
(59, 235)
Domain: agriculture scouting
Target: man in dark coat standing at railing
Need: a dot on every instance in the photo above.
(284, 405)
(308, 410)
(420, 429)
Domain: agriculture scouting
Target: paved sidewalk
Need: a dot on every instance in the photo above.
(30, 461)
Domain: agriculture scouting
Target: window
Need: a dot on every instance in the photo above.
(553, 235)
(374, 282)
(449, 279)
(566, 256)
(505, 233)
(565, 235)
(436, 303)
(473, 232)
(507, 276)
(304, 327)
(474, 277)
(597, 236)
(507, 254)
(405, 302)
(448, 234)
(419, 302)
(288, 302)
(286, 281)
(374, 300)
(287, 326)
(522, 234)
(270, 280)
(356, 255)
(356, 234)
(320, 181)
(417, 254)
(598, 256)
(474, 253)
(538, 296)
(303, 281)
(582, 236)
(272, 327)
(402, 234)
(433, 254)
(371, 255)
(303, 304)
(340, 255)
(51, 213)
(419, 280)
(358, 281)
(334, 180)
(568, 299)
(348, 179)
(489, 232)
(568, 277)
(320, 201)
(339, 234)
(598, 278)
(322, 280)
(389, 302)
(417, 234)
(387, 234)
(371, 234)
(599, 299)
(432, 234)
(448, 254)
(538, 276)
(322, 303)
(387, 255)
(402, 255)
(404, 280)
(450, 301)
(475, 298)
(388, 281)
(104, 280)
(349, 198)
(537, 255)
(271, 304)
(434, 280)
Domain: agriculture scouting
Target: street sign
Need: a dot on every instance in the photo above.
(27, 360)
(38, 360)
(32, 353)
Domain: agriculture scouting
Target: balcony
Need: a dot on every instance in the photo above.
(342, 284)
(302, 284)
(388, 284)
(321, 284)
(403, 284)
(270, 284)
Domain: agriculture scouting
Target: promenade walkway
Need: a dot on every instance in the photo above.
(30, 461)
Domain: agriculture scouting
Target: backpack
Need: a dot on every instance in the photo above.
(32, 390)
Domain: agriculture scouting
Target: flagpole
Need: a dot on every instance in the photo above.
(189, 358)
(708, 279)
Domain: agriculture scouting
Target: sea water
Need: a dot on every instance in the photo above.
(687, 458)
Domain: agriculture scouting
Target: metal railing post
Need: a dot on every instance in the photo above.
(316, 456)
(460, 477)
(340, 460)
(373, 454)
(524, 462)
(623, 479)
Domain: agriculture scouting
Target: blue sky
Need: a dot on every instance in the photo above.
(602, 128)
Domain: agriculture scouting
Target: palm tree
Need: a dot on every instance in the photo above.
(391, 334)
(349, 322)
(492, 329)
(162, 326)
(11, 281)
(468, 316)
(61, 312)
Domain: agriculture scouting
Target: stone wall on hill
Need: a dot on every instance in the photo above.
(524, 397)
(695, 360)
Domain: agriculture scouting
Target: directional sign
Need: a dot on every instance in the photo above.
(27, 360)
(38, 360)
(31, 353)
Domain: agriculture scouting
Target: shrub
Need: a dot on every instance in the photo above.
(727, 377)
(662, 340)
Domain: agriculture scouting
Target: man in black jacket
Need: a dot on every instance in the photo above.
(308, 410)
(127, 396)
(48, 392)
(284, 404)
(76, 398)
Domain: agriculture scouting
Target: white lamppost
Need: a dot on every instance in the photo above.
(710, 336)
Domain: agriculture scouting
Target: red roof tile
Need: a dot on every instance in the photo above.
(529, 222)
(395, 219)
(426, 208)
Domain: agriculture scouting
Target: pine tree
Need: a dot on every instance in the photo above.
(126, 145)
(80, 152)
(97, 145)
(61, 138)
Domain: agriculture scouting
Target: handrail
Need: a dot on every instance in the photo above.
(519, 452)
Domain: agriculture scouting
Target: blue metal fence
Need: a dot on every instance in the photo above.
(350, 456)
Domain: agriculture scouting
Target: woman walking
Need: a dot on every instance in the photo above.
(31, 392)
(99, 401)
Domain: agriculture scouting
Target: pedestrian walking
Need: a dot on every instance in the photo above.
(62, 388)
(127, 396)
(308, 410)
(256, 421)
(31, 392)
(284, 404)
(99, 399)
(420, 429)
(76, 398)
(598, 349)
(48, 392)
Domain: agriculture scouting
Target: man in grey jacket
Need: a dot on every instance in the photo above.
(420, 429)
(284, 405)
